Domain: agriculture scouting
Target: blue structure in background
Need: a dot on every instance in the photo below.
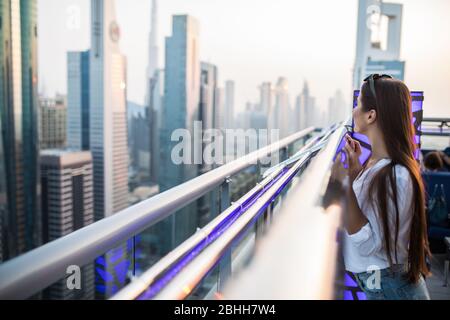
(112, 270)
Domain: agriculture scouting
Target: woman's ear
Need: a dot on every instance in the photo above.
(372, 116)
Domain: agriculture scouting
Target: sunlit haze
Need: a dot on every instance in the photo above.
(253, 41)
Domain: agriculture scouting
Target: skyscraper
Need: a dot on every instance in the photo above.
(266, 97)
(208, 86)
(181, 109)
(229, 104)
(154, 116)
(18, 113)
(108, 136)
(53, 120)
(219, 109)
(153, 49)
(207, 111)
(107, 123)
(78, 100)
(305, 108)
(155, 93)
(139, 145)
(378, 51)
(337, 108)
(67, 205)
(281, 112)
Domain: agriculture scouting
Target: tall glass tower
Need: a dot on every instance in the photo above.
(181, 109)
(78, 100)
(18, 113)
(108, 136)
(108, 122)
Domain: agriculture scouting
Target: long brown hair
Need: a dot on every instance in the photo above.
(394, 117)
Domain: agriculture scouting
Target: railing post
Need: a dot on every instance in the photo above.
(225, 263)
(283, 154)
(214, 201)
(259, 226)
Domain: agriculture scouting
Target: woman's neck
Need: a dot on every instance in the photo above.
(379, 150)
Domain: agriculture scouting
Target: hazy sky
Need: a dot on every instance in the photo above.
(252, 41)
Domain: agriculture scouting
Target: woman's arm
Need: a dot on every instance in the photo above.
(355, 219)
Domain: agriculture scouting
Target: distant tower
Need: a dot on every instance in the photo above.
(337, 108)
(229, 104)
(305, 108)
(154, 116)
(281, 112)
(376, 51)
(266, 97)
(78, 89)
(53, 120)
(154, 94)
(153, 51)
(208, 85)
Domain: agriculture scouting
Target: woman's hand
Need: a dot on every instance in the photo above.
(352, 151)
(338, 172)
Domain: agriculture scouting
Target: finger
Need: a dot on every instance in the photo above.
(358, 147)
(347, 158)
(351, 155)
(349, 149)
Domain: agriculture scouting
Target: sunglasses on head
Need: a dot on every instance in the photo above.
(372, 78)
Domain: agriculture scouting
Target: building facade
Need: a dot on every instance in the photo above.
(229, 104)
(67, 205)
(78, 89)
(107, 123)
(19, 117)
(378, 51)
(181, 109)
(281, 111)
(108, 137)
(154, 116)
(53, 121)
(305, 109)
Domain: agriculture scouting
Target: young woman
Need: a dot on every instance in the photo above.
(385, 243)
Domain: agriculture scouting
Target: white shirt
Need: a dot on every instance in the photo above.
(364, 250)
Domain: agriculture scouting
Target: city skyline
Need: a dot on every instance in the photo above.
(222, 44)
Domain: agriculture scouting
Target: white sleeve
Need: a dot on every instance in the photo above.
(369, 239)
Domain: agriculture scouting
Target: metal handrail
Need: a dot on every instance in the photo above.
(436, 119)
(183, 282)
(141, 284)
(32, 272)
(307, 232)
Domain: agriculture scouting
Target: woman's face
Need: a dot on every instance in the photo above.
(359, 118)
